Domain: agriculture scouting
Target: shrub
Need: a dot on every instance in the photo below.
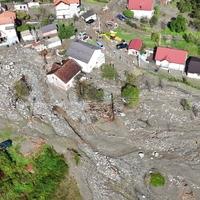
(66, 31)
(156, 38)
(128, 13)
(154, 20)
(24, 27)
(132, 24)
(22, 89)
(89, 92)
(22, 15)
(185, 104)
(109, 72)
(156, 179)
(178, 24)
(130, 94)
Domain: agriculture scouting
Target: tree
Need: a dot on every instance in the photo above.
(184, 6)
(156, 37)
(128, 13)
(154, 20)
(130, 94)
(178, 24)
(21, 15)
(65, 31)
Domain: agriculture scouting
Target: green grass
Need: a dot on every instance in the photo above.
(109, 72)
(146, 37)
(96, 1)
(17, 183)
(157, 180)
(129, 36)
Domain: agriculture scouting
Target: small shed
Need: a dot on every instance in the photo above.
(90, 14)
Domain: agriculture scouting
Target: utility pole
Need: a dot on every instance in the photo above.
(112, 107)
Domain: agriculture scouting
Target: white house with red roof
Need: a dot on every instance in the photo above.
(141, 8)
(8, 35)
(171, 59)
(66, 9)
(135, 46)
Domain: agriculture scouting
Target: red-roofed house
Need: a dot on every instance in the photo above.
(135, 46)
(141, 8)
(169, 58)
(8, 35)
(66, 9)
(62, 75)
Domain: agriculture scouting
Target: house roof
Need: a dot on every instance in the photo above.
(67, 71)
(56, 2)
(48, 28)
(81, 50)
(7, 17)
(193, 65)
(88, 14)
(135, 44)
(52, 40)
(140, 5)
(171, 55)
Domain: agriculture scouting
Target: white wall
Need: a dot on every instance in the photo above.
(54, 44)
(133, 52)
(143, 13)
(64, 11)
(33, 4)
(27, 38)
(21, 7)
(193, 75)
(94, 17)
(47, 34)
(53, 79)
(166, 65)
(97, 59)
(11, 34)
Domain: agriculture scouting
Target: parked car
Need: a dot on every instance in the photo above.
(121, 17)
(90, 21)
(5, 144)
(122, 45)
(83, 36)
(99, 44)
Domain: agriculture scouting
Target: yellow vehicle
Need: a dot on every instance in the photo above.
(111, 36)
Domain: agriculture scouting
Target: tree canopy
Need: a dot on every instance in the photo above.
(178, 24)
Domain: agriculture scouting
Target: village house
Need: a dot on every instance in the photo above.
(21, 7)
(62, 75)
(8, 35)
(86, 55)
(53, 42)
(28, 35)
(171, 59)
(66, 9)
(141, 8)
(89, 15)
(135, 46)
(32, 3)
(192, 67)
(49, 30)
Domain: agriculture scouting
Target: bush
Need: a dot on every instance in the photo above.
(156, 179)
(132, 24)
(89, 92)
(178, 24)
(130, 94)
(66, 31)
(22, 15)
(128, 13)
(154, 20)
(109, 72)
(185, 104)
(156, 38)
(22, 89)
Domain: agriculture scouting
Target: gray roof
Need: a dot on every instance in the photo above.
(88, 14)
(81, 50)
(48, 28)
(193, 65)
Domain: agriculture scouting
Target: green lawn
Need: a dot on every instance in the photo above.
(129, 36)
(146, 37)
(96, 1)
